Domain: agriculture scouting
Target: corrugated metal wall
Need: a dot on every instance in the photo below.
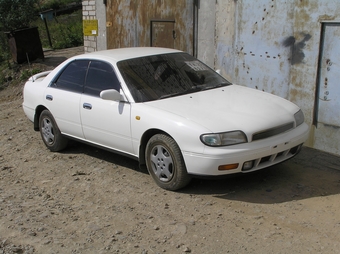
(129, 21)
(275, 46)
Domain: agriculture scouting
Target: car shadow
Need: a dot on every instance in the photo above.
(75, 147)
(310, 174)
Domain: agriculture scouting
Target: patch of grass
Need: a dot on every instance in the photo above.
(25, 74)
(6, 74)
(4, 48)
(66, 31)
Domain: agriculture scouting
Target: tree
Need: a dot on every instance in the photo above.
(16, 14)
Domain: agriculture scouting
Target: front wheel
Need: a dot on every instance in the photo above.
(50, 132)
(165, 163)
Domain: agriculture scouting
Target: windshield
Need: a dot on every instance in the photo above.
(161, 76)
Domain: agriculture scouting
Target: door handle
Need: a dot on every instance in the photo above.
(87, 106)
(49, 97)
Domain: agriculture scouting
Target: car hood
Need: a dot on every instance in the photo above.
(231, 108)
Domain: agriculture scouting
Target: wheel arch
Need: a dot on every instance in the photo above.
(37, 114)
(143, 142)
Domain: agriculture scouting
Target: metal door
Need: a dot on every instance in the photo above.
(163, 33)
(329, 76)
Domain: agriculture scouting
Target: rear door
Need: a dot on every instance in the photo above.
(63, 97)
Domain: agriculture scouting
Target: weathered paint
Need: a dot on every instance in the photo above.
(206, 35)
(270, 45)
(308, 19)
(129, 22)
(327, 131)
(261, 55)
(274, 46)
(161, 35)
(329, 89)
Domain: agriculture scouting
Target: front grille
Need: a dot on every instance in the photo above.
(273, 158)
(273, 131)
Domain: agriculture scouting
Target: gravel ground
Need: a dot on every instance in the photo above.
(86, 200)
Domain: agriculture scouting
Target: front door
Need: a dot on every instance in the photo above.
(104, 122)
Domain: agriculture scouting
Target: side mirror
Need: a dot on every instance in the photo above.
(111, 95)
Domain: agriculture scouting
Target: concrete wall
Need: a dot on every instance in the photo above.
(101, 16)
(89, 13)
(206, 32)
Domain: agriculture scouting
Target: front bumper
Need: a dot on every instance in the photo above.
(247, 157)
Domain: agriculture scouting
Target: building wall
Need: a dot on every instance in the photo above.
(89, 13)
(273, 46)
(95, 10)
(126, 23)
(142, 23)
(270, 45)
(206, 32)
(101, 16)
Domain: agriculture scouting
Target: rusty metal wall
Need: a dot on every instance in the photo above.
(274, 45)
(128, 22)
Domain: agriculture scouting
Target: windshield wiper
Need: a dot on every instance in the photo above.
(217, 86)
(191, 90)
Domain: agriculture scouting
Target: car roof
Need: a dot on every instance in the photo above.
(126, 53)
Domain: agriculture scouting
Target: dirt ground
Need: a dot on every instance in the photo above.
(86, 200)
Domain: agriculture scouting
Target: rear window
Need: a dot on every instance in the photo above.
(72, 77)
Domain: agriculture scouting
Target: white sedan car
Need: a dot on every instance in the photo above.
(165, 108)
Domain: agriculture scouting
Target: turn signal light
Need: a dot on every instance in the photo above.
(228, 167)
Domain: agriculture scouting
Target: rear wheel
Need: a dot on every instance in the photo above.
(165, 163)
(50, 132)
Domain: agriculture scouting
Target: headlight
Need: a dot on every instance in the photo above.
(224, 139)
(299, 118)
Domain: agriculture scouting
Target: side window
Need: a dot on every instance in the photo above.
(100, 76)
(73, 77)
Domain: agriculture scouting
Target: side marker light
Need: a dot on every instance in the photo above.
(228, 167)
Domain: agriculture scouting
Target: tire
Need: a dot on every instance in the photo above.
(165, 163)
(50, 132)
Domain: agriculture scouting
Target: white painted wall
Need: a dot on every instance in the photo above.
(206, 32)
(101, 16)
